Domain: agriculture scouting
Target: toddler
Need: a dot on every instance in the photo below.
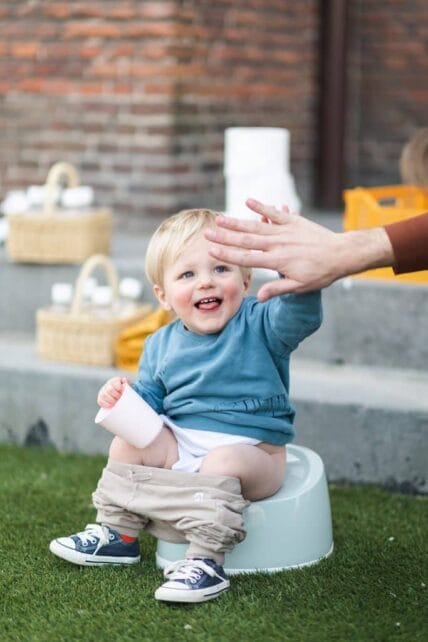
(219, 377)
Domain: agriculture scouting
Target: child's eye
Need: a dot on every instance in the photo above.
(221, 268)
(186, 275)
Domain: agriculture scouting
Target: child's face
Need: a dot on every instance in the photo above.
(203, 292)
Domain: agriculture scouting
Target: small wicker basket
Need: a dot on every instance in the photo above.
(82, 336)
(55, 236)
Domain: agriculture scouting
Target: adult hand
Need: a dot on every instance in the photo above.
(309, 255)
(282, 241)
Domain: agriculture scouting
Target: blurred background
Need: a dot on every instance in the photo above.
(138, 95)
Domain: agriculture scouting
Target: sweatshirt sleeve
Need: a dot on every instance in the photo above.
(287, 320)
(148, 384)
(409, 239)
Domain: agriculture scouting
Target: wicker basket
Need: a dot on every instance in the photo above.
(56, 236)
(80, 336)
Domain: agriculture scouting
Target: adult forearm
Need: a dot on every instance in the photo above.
(362, 250)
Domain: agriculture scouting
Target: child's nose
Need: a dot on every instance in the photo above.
(205, 280)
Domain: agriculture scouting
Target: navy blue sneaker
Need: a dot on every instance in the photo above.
(95, 546)
(193, 580)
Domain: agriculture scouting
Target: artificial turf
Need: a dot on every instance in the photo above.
(373, 587)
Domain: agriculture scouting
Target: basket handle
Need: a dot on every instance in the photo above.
(56, 172)
(97, 260)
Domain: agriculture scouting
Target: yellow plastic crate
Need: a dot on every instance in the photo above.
(377, 206)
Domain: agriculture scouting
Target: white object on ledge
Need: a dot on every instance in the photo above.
(4, 229)
(16, 202)
(130, 288)
(36, 196)
(61, 296)
(81, 196)
(256, 165)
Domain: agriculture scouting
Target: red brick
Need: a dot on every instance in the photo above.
(156, 10)
(122, 11)
(26, 9)
(422, 96)
(124, 50)
(160, 88)
(57, 9)
(90, 51)
(151, 30)
(35, 85)
(153, 51)
(203, 66)
(123, 88)
(91, 88)
(82, 29)
(5, 88)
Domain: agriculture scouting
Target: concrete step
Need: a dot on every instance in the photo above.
(27, 287)
(369, 424)
(369, 322)
(372, 322)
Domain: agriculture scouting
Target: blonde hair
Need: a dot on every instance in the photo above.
(168, 242)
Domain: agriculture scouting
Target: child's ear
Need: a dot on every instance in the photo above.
(160, 295)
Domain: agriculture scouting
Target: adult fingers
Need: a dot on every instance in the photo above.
(243, 240)
(243, 225)
(275, 288)
(276, 216)
(238, 256)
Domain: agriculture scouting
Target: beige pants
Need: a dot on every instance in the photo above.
(204, 510)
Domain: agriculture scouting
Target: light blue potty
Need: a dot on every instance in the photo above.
(290, 529)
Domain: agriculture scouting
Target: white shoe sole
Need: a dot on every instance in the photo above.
(82, 559)
(189, 595)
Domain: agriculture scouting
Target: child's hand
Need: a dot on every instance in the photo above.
(111, 392)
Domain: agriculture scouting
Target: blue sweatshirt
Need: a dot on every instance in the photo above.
(235, 381)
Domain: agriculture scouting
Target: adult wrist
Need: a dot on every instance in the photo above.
(364, 250)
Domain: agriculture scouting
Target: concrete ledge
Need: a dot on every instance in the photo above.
(368, 424)
(371, 322)
(27, 287)
(377, 323)
(48, 403)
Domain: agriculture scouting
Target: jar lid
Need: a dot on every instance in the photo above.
(130, 288)
(102, 295)
(81, 196)
(16, 202)
(61, 293)
(89, 286)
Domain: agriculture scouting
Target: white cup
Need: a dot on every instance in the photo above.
(131, 418)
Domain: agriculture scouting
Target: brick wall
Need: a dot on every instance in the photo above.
(138, 94)
(388, 86)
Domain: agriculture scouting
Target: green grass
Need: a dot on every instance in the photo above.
(372, 588)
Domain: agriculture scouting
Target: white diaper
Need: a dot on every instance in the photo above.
(193, 445)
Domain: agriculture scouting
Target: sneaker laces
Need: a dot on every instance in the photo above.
(190, 569)
(94, 533)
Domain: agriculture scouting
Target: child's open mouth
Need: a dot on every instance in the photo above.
(210, 303)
